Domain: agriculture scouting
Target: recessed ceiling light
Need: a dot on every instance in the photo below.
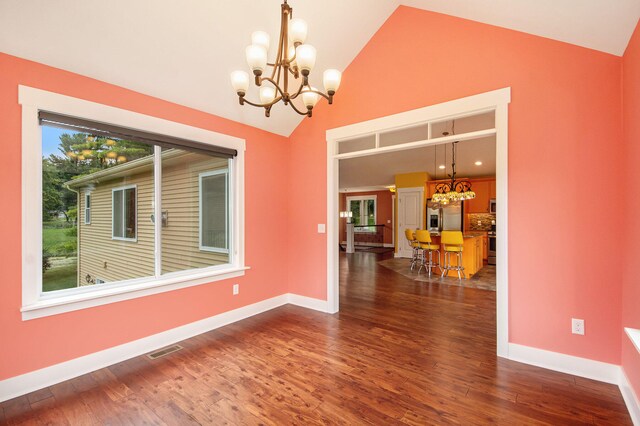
(441, 166)
(478, 163)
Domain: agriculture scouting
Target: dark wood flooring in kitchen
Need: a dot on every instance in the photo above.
(399, 352)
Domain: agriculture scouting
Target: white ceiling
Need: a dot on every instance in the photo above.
(380, 170)
(183, 51)
(605, 25)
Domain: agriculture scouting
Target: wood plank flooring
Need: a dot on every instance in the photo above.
(399, 352)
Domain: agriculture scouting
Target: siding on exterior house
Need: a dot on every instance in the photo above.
(180, 198)
(102, 257)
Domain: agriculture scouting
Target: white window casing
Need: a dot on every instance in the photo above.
(35, 303)
(363, 215)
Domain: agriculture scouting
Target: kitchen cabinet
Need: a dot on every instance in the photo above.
(480, 204)
(492, 189)
(471, 255)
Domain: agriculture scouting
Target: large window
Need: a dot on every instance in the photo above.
(363, 209)
(124, 212)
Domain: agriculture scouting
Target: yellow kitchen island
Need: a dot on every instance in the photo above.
(471, 254)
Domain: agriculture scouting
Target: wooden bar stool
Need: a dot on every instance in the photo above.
(425, 244)
(411, 238)
(452, 242)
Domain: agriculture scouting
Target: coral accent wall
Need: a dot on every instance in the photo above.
(630, 282)
(564, 118)
(43, 342)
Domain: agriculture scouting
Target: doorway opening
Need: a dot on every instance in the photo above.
(389, 136)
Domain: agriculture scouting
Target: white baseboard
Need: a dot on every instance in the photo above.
(630, 398)
(596, 370)
(308, 302)
(32, 381)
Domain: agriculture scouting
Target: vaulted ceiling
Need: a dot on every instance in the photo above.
(183, 52)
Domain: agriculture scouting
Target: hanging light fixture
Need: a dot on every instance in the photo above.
(456, 190)
(294, 59)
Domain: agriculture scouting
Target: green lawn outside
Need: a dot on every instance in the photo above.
(60, 277)
(54, 236)
(59, 242)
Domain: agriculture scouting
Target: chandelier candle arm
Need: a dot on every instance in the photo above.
(293, 57)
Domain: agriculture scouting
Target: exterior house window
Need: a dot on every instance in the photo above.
(363, 209)
(87, 208)
(124, 213)
(165, 202)
(214, 218)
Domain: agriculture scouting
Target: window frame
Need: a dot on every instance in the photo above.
(87, 210)
(123, 188)
(363, 198)
(228, 194)
(35, 303)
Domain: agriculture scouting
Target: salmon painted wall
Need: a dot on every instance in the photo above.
(564, 118)
(630, 282)
(384, 212)
(73, 334)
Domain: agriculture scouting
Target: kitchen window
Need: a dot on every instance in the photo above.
(363, 209)
(123, 208)
(165, 203)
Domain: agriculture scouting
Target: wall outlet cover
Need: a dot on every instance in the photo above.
(236, 289)
(577, 326)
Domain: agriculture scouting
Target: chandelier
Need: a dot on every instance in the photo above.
(454, 191)
(294, 59)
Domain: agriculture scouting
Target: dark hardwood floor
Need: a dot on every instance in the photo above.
(399, 352)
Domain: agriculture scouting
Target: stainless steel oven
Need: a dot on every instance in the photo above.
(492, 248)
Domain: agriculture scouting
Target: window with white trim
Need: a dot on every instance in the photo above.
(87, 208)
(363, 210)
(123, 213)
(214, 212)
(165, 203)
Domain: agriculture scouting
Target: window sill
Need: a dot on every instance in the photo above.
(634, 335)
(73, 302)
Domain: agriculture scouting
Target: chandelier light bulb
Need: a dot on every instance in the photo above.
(291, 54)
(260, 38)
(240, 81)
(297, 30)
(331, 79)
(309, 98)
(256, 58)
(267, 94)
(306, 58)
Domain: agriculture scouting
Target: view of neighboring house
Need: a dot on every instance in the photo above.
(116, 219)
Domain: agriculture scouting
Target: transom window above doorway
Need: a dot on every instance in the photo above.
(471, 126)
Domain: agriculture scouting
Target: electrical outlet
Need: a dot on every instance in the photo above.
(236, 289)
(577, 326)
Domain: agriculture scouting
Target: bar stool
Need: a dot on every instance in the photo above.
(426, 246)
(452, 242)
(413, 243)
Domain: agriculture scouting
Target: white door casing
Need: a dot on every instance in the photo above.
(496, 100)
(409, 216)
